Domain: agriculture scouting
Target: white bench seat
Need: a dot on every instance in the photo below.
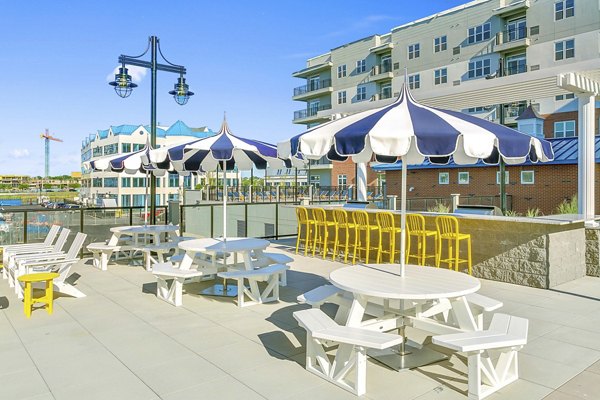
(160, 249)
(266, 258)
(349, 366)
(170, 281)
(270, 274)
(506, 334)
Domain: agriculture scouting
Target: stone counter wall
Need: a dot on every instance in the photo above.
(592, 252)
(530, 254)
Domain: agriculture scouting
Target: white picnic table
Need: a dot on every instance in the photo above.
(433, 290)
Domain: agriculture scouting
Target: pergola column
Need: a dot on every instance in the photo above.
(586, 90)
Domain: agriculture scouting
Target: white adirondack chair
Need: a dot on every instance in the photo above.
(12, 249)
(21, 264)
(35, 252)
(60, 265)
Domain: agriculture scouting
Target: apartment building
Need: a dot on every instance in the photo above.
(129, 190)
(491, 58)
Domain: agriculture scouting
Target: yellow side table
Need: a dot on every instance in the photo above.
(47, 298)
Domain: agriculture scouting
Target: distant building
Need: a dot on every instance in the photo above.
(129, 190)
(471, 58)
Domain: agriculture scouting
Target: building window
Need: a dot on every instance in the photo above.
(342, 97)
(125, 182)
(440, 76)
(506, 177)
(444, 178)
(97, 182)
(385, 91)
(440, 44)
(361, 66)
(564, 49)
(341, 71)
(463, 178)
(361, 93)
(342, 180)
(187, 182)
(563, 129)
(516, 64)
(475, 109)
(173, 180)
(315, 180)
(527, 177)
(111, 149)
(479, 68)
(567, 96)
(414, 51)
(125, 200)
(97, 151)
(480, 33)
(138, 199)
(414, 81)
(564, 9)
(110, 182)
(139, 182)
(125, 147)
(138, 146)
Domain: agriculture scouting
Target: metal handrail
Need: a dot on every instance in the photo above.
(311, 87)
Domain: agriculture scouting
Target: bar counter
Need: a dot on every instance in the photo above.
(540, 252)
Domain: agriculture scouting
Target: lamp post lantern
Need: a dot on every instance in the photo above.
(124, 86)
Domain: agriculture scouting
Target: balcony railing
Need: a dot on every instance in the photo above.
(311, 87)
(514, 69)
(512, 35)
(381, 69)
(310, 112)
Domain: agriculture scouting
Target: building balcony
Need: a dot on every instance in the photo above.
(312, 90)
(513, 70)
(381, 72)
(313, 69)
(312, 114)
(383, 96)
(513, 7)
(512, 39)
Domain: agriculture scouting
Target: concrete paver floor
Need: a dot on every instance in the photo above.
(121, 342)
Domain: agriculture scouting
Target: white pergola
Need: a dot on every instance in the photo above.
(582, 79)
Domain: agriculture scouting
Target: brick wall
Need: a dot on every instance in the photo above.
(348, 168)
(553, 184)
(550, 119)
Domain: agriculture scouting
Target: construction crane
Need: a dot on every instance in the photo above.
(47, 138)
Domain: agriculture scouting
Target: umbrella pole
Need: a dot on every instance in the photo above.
(403, 220)
(224, 203)
(146, 202)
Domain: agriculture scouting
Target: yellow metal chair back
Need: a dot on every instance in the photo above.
(385, 221)
(342, 223)
(319, 215)
(340, 216)
(361, 219)
(304, 235)
(447, 227)
(302, 215)
(415, 227)
(415, 223)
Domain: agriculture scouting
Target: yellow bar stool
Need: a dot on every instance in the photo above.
(447, 227)
(342, 224)
(47, 298)
(362, 228)
(387, 226)
(322, 226)
(305, 228)
(415, 224)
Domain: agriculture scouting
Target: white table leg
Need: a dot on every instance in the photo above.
(357, 310)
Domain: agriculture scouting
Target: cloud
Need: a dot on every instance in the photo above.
(137, 73)
(19, 153)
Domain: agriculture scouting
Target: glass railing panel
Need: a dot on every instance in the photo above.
(261, 220)
(288, 225)
(198, 220)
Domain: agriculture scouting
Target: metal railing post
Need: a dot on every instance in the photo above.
(276, 221)
(25, 227)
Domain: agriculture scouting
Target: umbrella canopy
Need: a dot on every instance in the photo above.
(412, 132)
(223, 150)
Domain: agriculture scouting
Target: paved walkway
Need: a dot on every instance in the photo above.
(120, 342)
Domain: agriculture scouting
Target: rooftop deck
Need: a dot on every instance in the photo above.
(121, 342)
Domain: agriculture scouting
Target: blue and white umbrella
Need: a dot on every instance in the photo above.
(411, 132)
(223, 150)
(132, 163)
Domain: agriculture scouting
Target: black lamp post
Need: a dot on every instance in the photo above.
(124, 86)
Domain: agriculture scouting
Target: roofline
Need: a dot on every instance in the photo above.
(440, 14)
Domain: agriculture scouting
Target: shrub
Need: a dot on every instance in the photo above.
(568, 206)
(533, 212)
(511, 213)
(439, 207)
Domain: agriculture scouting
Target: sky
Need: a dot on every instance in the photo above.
(59, 56)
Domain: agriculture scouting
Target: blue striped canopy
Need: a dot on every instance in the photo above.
(131, 163)
(223, 149)
(414, 132)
